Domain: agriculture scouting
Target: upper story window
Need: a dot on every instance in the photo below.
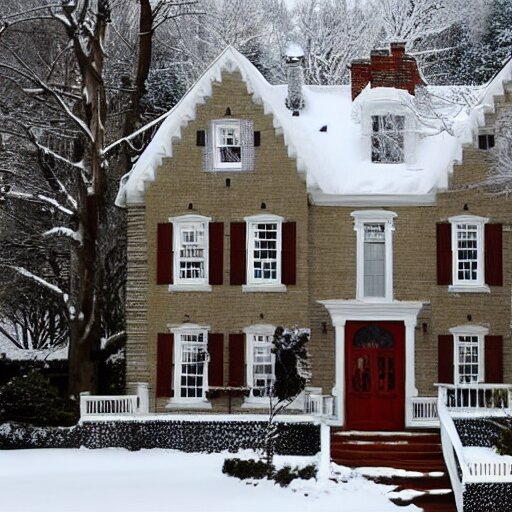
(374, 230)
(469, 254)
(264, 245)
(468, 250)
(190, 253)
(387, 139)
(228, 145)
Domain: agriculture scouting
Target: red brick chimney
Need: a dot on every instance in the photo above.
(386, 69)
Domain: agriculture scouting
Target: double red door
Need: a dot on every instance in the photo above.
(375, 375)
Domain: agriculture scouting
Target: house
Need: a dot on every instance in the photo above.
(354, 211)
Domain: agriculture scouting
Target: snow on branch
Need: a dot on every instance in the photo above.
(64, 232)
(39, 280)
(26, 196)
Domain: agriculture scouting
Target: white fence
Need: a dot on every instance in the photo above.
(124, 405)
(476, 397)
(319, 405)
(424, 411)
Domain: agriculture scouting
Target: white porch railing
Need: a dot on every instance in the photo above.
(456, 401)
(475, 397)
(424, 411)
(100, 405)
(319, 405)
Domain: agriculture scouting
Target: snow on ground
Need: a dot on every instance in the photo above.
(17, 354)
(116, 480)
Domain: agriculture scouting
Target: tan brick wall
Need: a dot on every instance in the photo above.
(181, 180)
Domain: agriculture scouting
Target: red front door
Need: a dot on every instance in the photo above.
(374, 373)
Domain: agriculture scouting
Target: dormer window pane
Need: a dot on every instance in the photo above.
(229, 146)
(388, 139)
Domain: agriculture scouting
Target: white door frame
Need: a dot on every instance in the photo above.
(342, 311)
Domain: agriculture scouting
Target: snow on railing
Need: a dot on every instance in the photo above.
(475, 397)
(424, 410)
(319, 405)
(101, 405)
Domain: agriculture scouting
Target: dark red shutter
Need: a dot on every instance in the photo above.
(494, 254)
(200, 138)
(494, 359)
(164, 365)
(445, 359)
(164, 254)
(238, 254)
(444, 253)
(216, 366)
(216, 268)
(236, 359)
(289, 253)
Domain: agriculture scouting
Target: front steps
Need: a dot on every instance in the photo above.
(419, 473)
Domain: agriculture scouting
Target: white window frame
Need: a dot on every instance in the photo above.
(361, 218)
(478, 331)
(464, 286)
(188, 285)
(177, 401)
(263, 285)
(217, 127)
(250, 332)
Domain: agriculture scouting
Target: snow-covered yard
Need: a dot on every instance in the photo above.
(116, 480)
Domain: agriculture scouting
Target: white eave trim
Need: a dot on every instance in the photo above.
(322, 199)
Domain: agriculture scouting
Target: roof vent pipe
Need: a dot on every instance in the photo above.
(295, 73)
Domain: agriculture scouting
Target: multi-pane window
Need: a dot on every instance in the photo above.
(467, 248)
(192, 364)
(264, 251)
(467, 252)
(228, 145)
(374, 260)
(468, 359)
(374, 230)
(262, 375)
(388, 139)
(192, 251)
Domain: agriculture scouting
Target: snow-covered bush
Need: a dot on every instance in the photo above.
(245, 469)
(287, 474)
(32, 399)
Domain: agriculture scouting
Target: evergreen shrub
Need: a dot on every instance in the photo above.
(286, 474)
(244, 469)
(32, 399)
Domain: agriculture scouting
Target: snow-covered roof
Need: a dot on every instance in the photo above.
(334, 161)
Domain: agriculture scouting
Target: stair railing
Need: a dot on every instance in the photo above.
(458, 469)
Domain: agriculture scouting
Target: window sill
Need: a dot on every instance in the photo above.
(175, 403)
(460, 288)
(183, 287)
(263, 288)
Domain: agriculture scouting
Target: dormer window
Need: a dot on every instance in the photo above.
(387, 139)
(228, 145)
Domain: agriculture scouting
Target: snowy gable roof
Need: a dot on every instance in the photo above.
(329, 140)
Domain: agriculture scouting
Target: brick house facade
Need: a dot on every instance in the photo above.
(236, 226)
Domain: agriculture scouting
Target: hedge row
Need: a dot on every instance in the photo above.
(188, 436)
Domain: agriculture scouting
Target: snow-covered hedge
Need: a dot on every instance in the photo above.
(491, 497)
(479, 431)
(187, 436)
